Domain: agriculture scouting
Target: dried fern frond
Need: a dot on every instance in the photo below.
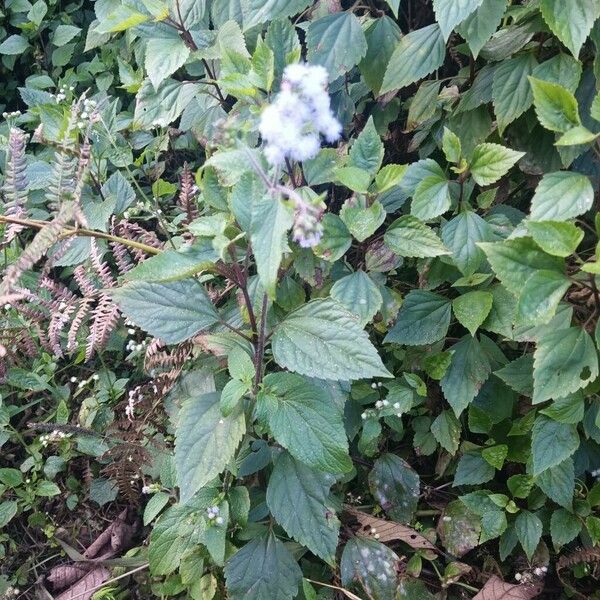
(187, 195)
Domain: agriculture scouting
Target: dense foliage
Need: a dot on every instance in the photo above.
(300, 299)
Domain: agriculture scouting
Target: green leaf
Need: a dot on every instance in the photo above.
(459, 528)
(479, 27)
(540, 297)
(336, 238)
(262, 570)
(173, 312)
(47, 489)
(63, 34)
(8, 509)
(471, 309)
(446, 430)
(495, 455)
(396, 487)
(417, 55)
(576, 136)
(14, 44)
(322, 339)
(570, 409)
(11, 477)
(363, 222)
(122, 18)
(468, 370)
(451, 146)
(572, 21)
(562, 69)
(561, 196)
(424, 318)
(256, 12)
(431, 198)
(555, 106)
(564, 527)
(551, 443)
(353, 178)
(155, 505)
(337, 42)
(555, 237)
(511, 90)
(529, 531)
(461, 235)
(359, 294)
(205, 442)
(303, 420)
(163, 57)
(515, 260)
(450, 13)
(423, 104)
(271, 220)
(558, 483)
(367, 151)
(564, 361)
(371, 563)
(297, 497)
(160, 107)
(490, 162)
(408, 236)
(382, 37)
(473, 469)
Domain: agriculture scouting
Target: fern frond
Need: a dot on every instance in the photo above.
(187, 195)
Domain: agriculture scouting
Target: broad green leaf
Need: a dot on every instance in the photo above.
(14, 44)
(371, 563)
(571, 21)
(450, 13)
(511, 90)
(551, 443)
(271, 220)
(431, 198)
(8, 509)
(471, 309)
(367, 150)
(303, 420)
(576, 136)
(555, 106)
(424, 318)
(451, 146)
(155, 506)
(359, 294)
(160, 107)
(540, 296)
(479, 27)
(205, 441)
(468, 370)
(322, 339)
(163, 57)
(396, 487)
(256, 12)
(555, 237)
(423, 104)
(558, 483)
(561, 196)
(263, 569)
(382, 37)
(473, 469)
(529, 531)
(122, 18)
(408, 236)
(417, 55)
(394, 5)
(336, 238)
(570, 409)
(446, 429)
(564, 362)
(337, 42)
(353, 178)
(171, 265)
(363, 222)
(515, 260)
(63, 34)
(564, 527)
(192, 12)
(562, 69)
(173, 312)
(281, 37)
(459, 528)
(297, 497)
(490, 162)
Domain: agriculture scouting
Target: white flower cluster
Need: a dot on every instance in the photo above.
(81, 383)
(11, 115)
(383, 408)
(291, 126)
(89, 114)
(213, 515)
(55, 436)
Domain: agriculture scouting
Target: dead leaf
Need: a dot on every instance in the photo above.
(496, 589)
(389, 531)
(62, 576)
(86, 586)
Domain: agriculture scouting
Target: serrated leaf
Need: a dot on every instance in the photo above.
(424, 318)
(570, 409)
(160, 107)
(322, 339)
(417, 55)
(408, 236)
(263, 569)
(564, 362)
(305, 422)
(431, 198)
(451, 146)
(359, 294)
(459, 528)
(570, 21)
(205, 441)
(561, 196)
(468, 371)
(163, 57)
(164, 309)
(367, 150)
(518, 374)
(562, 69)
(256, 12)
(363, 222)
(558, 483)
(515, 260)
(471, 309)
(556, 107)
(297, 497)
(336, 42)
(551, 443)
(473, 469)
(490, 162)
(564, 527)
(450, 13)
(576, 136)
(540, 296)
(511, 90)
(555, 237)
(446, 430)
(529, 531)
(122, 18)
(479, 27)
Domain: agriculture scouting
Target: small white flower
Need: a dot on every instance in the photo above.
(518, 576)
(219, 521)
